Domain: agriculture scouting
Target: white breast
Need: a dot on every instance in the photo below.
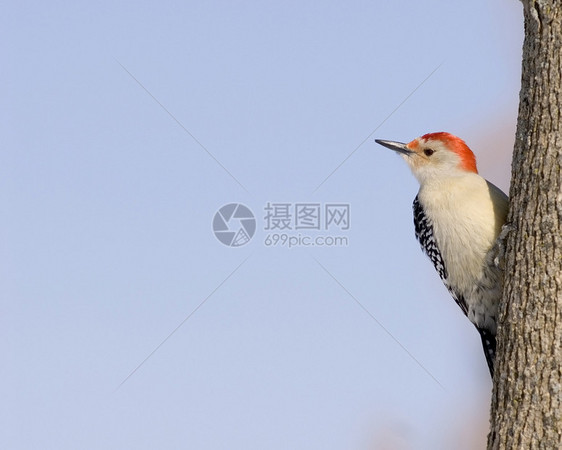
(467, 214)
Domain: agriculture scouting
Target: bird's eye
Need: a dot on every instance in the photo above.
(428, 152)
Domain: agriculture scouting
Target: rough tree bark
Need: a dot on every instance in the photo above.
(527, 394)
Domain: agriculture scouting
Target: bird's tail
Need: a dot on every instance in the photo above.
(489, 344)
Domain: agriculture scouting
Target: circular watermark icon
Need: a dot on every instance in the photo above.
(234, 224)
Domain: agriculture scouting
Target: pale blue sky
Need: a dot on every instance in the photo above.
(108, 202)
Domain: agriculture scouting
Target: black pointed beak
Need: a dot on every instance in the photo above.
(398, 147)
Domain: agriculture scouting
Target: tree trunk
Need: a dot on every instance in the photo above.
(527, 395)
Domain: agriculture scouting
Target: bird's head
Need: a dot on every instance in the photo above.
(435, 155)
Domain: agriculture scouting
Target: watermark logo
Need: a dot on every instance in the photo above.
(306, 216)
(301, 224)
(234, 224)
(286, 224)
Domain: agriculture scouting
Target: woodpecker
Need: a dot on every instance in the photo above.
(458, 216)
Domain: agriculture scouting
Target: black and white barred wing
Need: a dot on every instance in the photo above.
(426, 238)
